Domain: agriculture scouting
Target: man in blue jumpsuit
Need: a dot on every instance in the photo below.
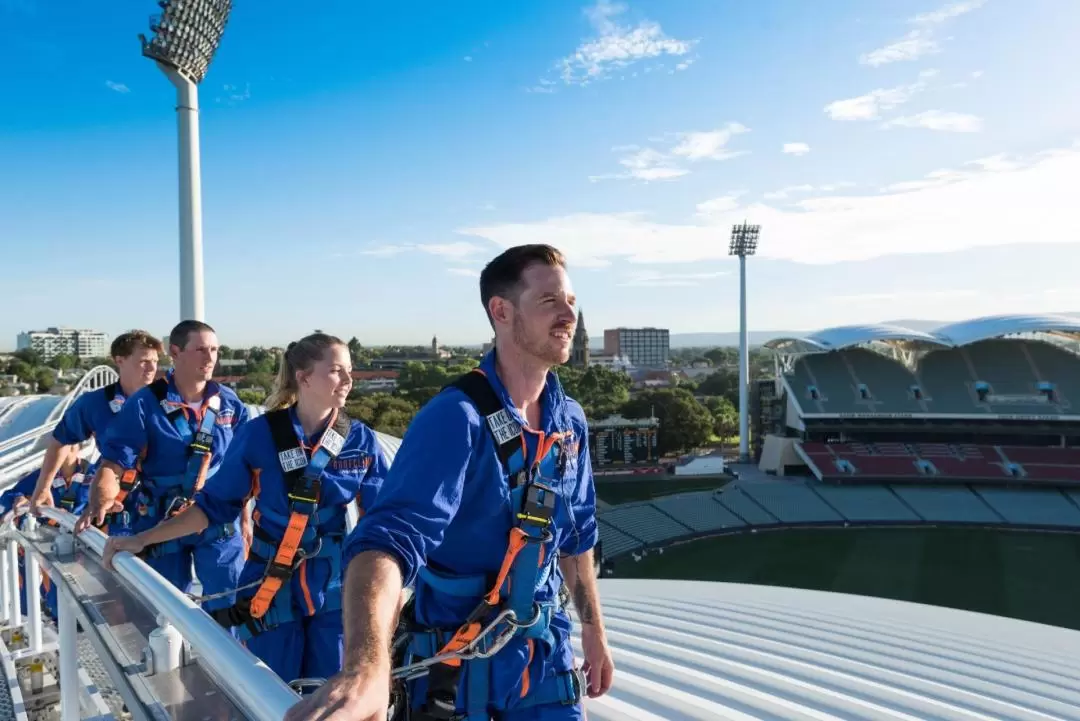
(136, 357)
(489, 506)
(67, 489)
(167, 440)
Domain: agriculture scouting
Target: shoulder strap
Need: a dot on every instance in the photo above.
(110, 391)
(504, 429)
(291, 456)
(160, 389)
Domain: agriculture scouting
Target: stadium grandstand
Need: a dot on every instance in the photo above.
(971, 425)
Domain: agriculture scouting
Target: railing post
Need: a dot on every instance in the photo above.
(15, 611)
(32, 579)
(5, 604)
(69, 670)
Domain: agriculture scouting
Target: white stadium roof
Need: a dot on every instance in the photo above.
(696, 650)
(946, 336)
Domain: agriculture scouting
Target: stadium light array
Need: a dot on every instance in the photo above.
(744, 240)
(186, 35)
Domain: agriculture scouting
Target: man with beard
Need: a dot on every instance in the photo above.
(166, 441)
(488, 508)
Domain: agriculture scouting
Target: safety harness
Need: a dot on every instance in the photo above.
(174, 493)
(303, 537)
(508, 606)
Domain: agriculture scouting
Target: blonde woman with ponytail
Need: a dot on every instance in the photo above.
(303, 461)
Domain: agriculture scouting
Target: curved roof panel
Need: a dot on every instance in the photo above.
(695, 650)
(977, 329)
(846, 336)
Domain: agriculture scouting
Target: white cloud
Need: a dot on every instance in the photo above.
(921, 40)
(467, 272)
(796, 148)
(616, 46)
(459, 249)
(1031, 203)
(658, 279)
(651, 164)
(467, 58)
(716, 206)
(783, 193)
(977, 74)
(943, 120)
(869, 106)
(709, 144)
(118, 87)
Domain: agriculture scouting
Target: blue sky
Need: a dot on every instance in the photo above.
(361, 161)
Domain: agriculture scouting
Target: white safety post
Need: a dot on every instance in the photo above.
(14, 609)
(5, 604)
(69, 668)
(32, 579)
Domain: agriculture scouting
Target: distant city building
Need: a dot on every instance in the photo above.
(612, 362)
(645, 347)
(579, 352)
(52, 342)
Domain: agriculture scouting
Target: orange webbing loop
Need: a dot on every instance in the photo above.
(281, 568)
(471, 628)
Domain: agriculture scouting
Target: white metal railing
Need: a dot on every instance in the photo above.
(257, 692)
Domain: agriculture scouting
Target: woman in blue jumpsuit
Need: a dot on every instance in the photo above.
(293, 625)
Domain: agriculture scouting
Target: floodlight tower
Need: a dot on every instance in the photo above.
(744, 239)
(186, 36)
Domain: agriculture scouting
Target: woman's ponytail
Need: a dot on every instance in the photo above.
(284, 392)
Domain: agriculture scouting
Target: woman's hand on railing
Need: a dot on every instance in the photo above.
(44, 498)
(115, 544)
(94, 514)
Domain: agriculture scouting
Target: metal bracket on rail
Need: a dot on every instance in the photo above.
(304, 686)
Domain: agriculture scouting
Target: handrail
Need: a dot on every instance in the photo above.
(256, 690)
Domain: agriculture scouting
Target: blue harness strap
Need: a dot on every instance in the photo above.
(511, 601)
(303, 538)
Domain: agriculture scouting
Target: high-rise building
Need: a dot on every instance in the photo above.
(52, 342)
(579, 352)
(645, 347)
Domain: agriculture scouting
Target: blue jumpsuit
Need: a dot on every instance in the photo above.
(62, 489)
(303, 636)
(444, 513)
(144, 426)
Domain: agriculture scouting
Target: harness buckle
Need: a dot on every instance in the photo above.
(203, 442)
(281, 571)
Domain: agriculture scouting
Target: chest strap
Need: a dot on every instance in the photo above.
(509, 608)
(303, 479)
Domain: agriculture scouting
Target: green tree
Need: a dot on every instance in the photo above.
(251, 395)
(726, 356)
(29, 356)
(63, 362)
(22, 369)
(723, 383)
(45, 379)
(383, 412)
(685, 424)
(725, 417)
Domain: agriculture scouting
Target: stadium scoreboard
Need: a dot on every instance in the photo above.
(623, 442)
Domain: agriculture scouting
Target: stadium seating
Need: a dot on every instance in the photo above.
(857, 381)
(896, 462)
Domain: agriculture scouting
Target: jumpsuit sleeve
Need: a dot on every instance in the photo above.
(223, 496)
(375, 476)
(128, 434)
(583, 499)
(23, 488)
(75, 426)
(242, 415)
(423, 489)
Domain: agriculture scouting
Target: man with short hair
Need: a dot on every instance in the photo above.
(488, 508)
(168, 439)
(135, 354)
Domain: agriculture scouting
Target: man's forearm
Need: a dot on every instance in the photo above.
(372, 596)
(50, 465)
(106, 484)
(578, 574)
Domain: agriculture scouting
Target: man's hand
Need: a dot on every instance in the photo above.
(115, 544)
(41, 498)
(361, 694)
(94, 514)
(599, 667)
